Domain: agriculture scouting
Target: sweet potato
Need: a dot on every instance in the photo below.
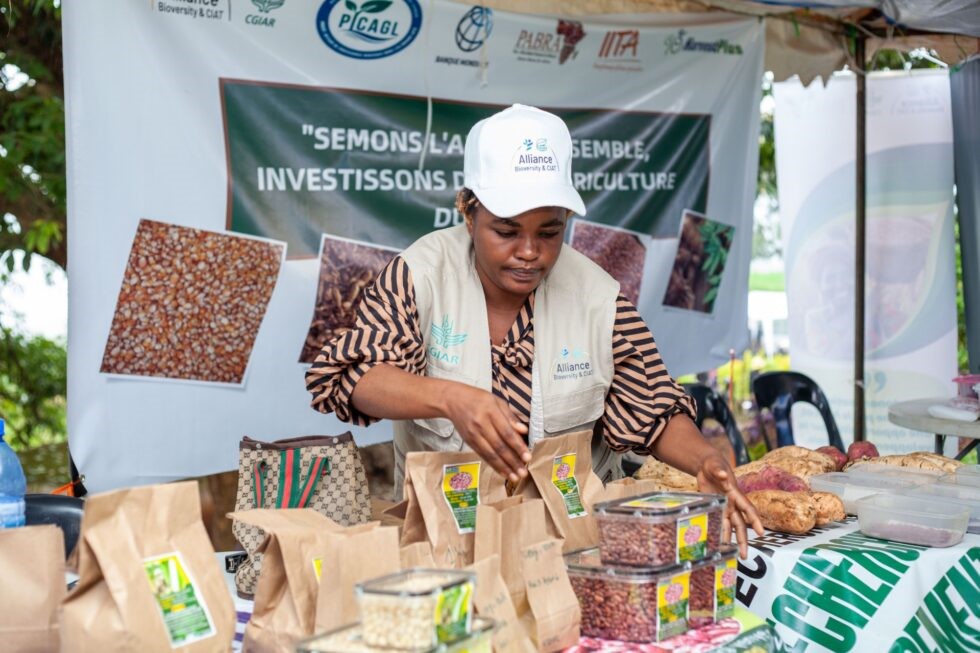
(829, 507)
(787, 512)
(669, 477)
(771, 478)
(861, 451)
(840, 458)
(917, 460)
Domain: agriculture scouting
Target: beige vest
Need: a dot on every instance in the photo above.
(574, 314)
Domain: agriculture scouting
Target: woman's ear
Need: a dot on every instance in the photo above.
(469, 217)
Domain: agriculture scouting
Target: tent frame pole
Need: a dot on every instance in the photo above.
(859, 240)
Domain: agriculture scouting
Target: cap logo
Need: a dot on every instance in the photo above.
(535, 156)
(542, 145)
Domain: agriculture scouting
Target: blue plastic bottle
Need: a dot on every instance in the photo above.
(13, 485)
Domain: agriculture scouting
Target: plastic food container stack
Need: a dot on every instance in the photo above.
(874, 471)
(913, 520)
(966, 496)
(416, 609)
(965, 475)
(348, 639)
(851, 487)
(713, 588)
(661, 528)
(629, 604)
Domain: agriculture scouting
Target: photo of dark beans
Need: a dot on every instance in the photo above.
(346, 269)
(616, 609)
(618, 252)
(191, 304)
(700, 263)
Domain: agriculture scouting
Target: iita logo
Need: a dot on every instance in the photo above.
(262, 19)
(372, 29)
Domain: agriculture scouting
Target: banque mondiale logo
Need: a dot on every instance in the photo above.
(369, 29)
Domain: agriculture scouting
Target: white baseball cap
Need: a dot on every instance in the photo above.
(521, 159)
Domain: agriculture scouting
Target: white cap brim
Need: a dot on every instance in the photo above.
(509, 202)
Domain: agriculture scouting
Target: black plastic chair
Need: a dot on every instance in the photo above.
(64, 512)
(778, 391)
(711, 404)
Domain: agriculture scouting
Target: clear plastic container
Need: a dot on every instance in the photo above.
(629, 604)
(963, 495)
(713, 588)
(874, 470)
(960, 477)
(912, 520)
(659, 529)
(348, 640)
(416, 609)
(850, 487)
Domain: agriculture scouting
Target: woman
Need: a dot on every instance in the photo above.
(494, 334)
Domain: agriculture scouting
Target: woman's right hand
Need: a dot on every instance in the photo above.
(488, 425)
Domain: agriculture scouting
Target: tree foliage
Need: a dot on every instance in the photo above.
(33, 372)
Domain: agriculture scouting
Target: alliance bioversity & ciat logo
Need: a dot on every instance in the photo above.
(370, 29)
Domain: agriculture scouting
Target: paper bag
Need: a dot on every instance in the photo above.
(33, 562)
(554, 618)
(418, 554)
(504, 529)
(492, 600)
(148, 576)
(561, 474)
(448, 487)
(286, 594)
(627, 487)
(353, 555)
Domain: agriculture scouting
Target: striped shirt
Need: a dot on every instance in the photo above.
(641, 400)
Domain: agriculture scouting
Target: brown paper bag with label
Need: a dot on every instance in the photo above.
(286, 593)
(353, 555)
(554, 618)
(33, 562)
(413, 526)
(627, 487)
(504, 528)
(148, 576)
(492, 600)
(418, 554)
(448, 488)
(561, 474)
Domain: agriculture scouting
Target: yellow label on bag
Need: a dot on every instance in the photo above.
(563, 478)
(317, 568)
(185, 614)
(461, 489)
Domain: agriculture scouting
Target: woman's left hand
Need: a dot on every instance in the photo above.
(717, 477)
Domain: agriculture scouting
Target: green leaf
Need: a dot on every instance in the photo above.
(709, 297)
(375, 6)
(351, 6)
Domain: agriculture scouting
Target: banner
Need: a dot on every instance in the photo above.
(240, 175)
(910, 291)
(836, 589)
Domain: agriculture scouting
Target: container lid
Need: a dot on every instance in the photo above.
(588, 561)
(347, 639)
(416, 582)
(965, 470)
(926, 508)
(970, 480)
(837, 481)
(662, 503)
(966, 495)
(893, 471)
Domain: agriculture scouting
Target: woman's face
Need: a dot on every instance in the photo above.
(515, 254)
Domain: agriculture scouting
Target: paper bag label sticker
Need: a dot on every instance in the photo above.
(318, 568)
(563, 478)
(692, 538)
(453, 613)
(461, 487)
(672, 600)
(185, 614)
(725, 575)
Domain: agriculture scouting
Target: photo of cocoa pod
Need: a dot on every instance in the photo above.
(699, 266)
(617, 251)
(347, 267)
(191, 304)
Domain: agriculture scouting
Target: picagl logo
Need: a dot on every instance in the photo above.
(373, 29)
(474, 28)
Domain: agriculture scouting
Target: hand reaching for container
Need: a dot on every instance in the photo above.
(717, 477)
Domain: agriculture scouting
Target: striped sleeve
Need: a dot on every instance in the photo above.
(386, 331)
(643, 396)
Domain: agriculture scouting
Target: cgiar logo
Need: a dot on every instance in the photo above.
(373, 29)
(262, 19)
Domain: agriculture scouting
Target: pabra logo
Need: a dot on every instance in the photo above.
(370, 29)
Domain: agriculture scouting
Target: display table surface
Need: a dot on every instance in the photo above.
(836, 589)
(915, 415)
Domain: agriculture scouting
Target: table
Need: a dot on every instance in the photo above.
(915, 415)
(835, 589)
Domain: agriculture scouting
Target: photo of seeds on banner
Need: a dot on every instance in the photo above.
(699, 266)
(347, 267)
(189, 306)
(619, 252)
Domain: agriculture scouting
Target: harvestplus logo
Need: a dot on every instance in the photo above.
(682, 42)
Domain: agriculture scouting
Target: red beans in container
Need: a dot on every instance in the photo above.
(629, 604)
(713, 588)
(661, 528)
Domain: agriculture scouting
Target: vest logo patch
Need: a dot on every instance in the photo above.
(572, 363)
(443, 338)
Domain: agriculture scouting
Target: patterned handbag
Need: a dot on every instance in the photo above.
(324, 473)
